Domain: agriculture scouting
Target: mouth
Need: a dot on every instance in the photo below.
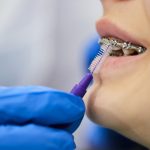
(122, 48)
(127, 50)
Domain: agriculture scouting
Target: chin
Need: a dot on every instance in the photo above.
(106, 106)
(114, 101)
(119, 99)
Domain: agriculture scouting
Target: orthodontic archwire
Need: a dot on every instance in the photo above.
(123, 45)
(81, 88)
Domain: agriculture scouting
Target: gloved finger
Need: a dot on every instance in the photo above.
(34, 137)
(39, 105)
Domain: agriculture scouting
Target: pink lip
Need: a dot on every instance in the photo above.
(107, 28)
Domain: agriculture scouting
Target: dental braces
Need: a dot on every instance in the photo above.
(117, 45)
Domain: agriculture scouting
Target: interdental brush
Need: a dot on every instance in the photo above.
(80, 88)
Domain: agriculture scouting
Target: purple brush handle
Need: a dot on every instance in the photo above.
(80, 88)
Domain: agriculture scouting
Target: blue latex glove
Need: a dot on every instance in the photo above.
(38, 118)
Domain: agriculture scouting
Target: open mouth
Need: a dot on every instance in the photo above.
(128, 49)
(122, 48)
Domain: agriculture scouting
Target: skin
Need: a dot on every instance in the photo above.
(119, 98)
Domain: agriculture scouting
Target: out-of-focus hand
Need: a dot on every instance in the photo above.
(38, 118)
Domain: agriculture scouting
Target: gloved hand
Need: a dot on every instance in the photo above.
(38, 118)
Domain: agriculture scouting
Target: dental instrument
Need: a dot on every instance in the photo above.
(80, 88)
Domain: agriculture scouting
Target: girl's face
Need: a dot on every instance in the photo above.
(120, 96)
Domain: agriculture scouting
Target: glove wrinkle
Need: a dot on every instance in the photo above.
(41, 106)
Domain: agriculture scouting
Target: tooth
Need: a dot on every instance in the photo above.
(116, 48)
(127, 48)
(126, 45)
(119, 45)
(104, 41)
(128, 51)
(140, 50)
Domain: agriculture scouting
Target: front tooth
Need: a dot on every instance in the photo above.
(116, 48)
(114, 44)
(104, 41)
(126, 45)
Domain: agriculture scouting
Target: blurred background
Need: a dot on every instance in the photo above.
(51, 43)
(42, 42)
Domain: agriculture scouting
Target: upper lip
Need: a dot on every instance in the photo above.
(106, 28)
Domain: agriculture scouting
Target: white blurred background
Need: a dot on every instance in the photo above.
(42, 43)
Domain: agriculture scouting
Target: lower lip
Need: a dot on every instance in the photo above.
(116, 63)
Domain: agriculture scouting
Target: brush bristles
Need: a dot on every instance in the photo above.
(94, 63)
(98, 58)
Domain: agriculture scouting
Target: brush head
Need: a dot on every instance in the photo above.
(101, 56)
(80, 88)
